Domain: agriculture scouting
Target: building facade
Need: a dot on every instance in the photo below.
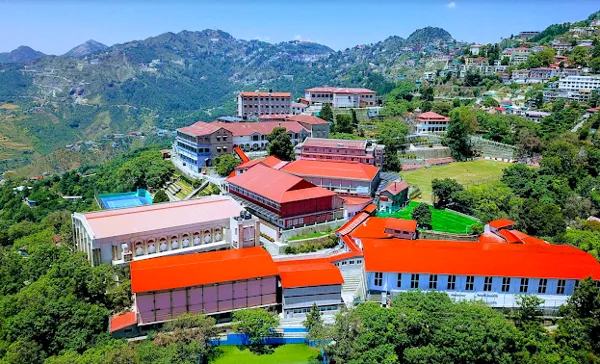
(361, 151)
(339, 97)
(430, 122)
(199, 144)
(211, 283)
(394, 196)
(121, 236)
(253, 104)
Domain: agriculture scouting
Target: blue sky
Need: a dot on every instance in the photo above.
(55, 26)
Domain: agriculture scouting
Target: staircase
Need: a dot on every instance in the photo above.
(352, 283)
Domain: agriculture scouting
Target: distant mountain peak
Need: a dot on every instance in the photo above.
(89, 47)
(22, 54)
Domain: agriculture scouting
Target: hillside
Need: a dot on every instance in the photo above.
(23, 54)
(174, 79)
(429, 35)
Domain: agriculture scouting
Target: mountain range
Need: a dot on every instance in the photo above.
(172, 80)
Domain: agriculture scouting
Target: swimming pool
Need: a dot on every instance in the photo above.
(127, 199)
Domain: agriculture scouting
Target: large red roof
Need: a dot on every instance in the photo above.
(307, 119)
(277, 186)
(374, 227)
(332, 169)
(341, 90)
(481, 259)
(270, 161)
(308, 273)
(199, 269)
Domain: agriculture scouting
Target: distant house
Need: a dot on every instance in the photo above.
(475, 49)
(260, 103)
(430, 122)
(394, 196)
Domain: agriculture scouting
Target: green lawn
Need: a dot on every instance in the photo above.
(462, 172)
(441, 220)
(285, 354)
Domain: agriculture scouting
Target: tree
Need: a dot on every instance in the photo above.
(255, 322)
(541, 219)
(314, 324)
(343, 124)
(392, 134)
(427, 93)
(280, 144)
(463, 123)
(529, 310)
(490, 102)
(190, 333)
(226, 164)
(444, 190)
(326, 112)
(422, 214)
(160, 196)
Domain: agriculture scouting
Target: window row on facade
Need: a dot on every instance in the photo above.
(524, 284)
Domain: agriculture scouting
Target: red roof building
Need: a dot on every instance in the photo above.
(478, 259)
(341, 97)
(343, 177)
(284, 199)
(361, 151)
(431, 122)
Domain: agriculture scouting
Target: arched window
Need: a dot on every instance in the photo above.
(151, 246)
(139, 248)
(174, 242)
(163, 246)
(185, 240)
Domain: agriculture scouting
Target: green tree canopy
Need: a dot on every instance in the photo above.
(280, 144)
(226, 164)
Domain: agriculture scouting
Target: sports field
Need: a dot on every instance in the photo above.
(441, 220)
(478, 171)
(285, 354)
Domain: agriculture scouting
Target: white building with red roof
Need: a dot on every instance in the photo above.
(431, 122)
(341, 97)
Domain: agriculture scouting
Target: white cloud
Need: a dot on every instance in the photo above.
(297, 37)
(451, 5)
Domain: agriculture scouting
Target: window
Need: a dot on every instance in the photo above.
(399, 282)
(542, 285)
(560, 287)
(451, 283)
(378, 279)
(414, 281)
(469, 285)
(433, 281)
(524, 285)
(487, 284)
(505, 284)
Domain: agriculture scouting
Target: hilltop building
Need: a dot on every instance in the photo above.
(362, 151)
(341, 97)
(121, 236)
(282, 199)
(342, 177)
(253, 104)
(430, 122)
(199, 144)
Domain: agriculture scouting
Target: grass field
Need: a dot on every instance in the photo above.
(441, 220)
(285, 354)
(462, 172)
(316, 234)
